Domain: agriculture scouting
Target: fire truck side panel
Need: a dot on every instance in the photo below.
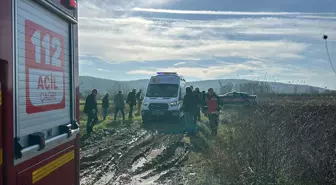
(6, 70)
(43, 80)
(55, 170)
(40, 91)
(28, 163)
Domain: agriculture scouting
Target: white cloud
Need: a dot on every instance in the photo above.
(86, 62)
(209, 12)
(252, 67)
(254, 70)
(108, 8)
(112, 33)
(104, 70)
(180, 63)
(332, 16)
(139, 39)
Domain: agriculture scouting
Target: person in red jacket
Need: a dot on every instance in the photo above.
(211, 109)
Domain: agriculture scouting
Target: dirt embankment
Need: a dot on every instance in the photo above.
(132, 155)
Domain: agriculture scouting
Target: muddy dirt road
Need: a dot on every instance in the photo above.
(130, 154)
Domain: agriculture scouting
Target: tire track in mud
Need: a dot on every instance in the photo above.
(131, 155)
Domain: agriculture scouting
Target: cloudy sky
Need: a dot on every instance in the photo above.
(246, 39)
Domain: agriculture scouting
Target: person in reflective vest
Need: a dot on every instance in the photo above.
(211, 109)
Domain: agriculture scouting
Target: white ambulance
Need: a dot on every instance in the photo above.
(164, 96)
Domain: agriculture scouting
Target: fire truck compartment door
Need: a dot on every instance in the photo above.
(55, 170)
(43, 73)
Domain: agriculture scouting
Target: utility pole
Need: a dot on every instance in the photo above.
(325, 37)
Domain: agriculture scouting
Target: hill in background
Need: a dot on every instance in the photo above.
(112, 86)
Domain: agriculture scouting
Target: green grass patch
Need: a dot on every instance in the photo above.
(109, 122)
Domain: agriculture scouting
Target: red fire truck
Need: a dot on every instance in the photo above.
(39, 132)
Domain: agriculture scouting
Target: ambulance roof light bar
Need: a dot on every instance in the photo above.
(166, 73)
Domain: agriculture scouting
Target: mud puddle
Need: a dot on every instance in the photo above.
(143, 160)
(131, 155)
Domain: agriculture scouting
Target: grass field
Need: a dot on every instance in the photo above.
(109, 122)
(279, 142)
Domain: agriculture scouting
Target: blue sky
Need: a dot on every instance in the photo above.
(258, 40)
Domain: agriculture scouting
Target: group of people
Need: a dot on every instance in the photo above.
(194, 102)
(91, 106)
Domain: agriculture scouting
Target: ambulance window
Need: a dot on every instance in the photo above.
(162, 90)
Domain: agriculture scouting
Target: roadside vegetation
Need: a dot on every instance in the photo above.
(109, 122)
(277, 142)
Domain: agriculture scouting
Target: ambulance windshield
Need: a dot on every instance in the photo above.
(162, 90)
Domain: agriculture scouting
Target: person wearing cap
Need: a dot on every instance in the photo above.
(90, 109)
(105, 105)
(131, 101)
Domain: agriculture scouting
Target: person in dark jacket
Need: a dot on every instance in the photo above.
(105, 105)
(131, 101)
(189, 108)
(212, 108)
(198, 97)
(90, 109)
(139, 100)
(203, 96)
(119, 105)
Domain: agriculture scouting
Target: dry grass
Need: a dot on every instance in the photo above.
(277, 142)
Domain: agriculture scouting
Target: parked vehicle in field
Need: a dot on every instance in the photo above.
(39, 95)
(163, 98)
(238, 98)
